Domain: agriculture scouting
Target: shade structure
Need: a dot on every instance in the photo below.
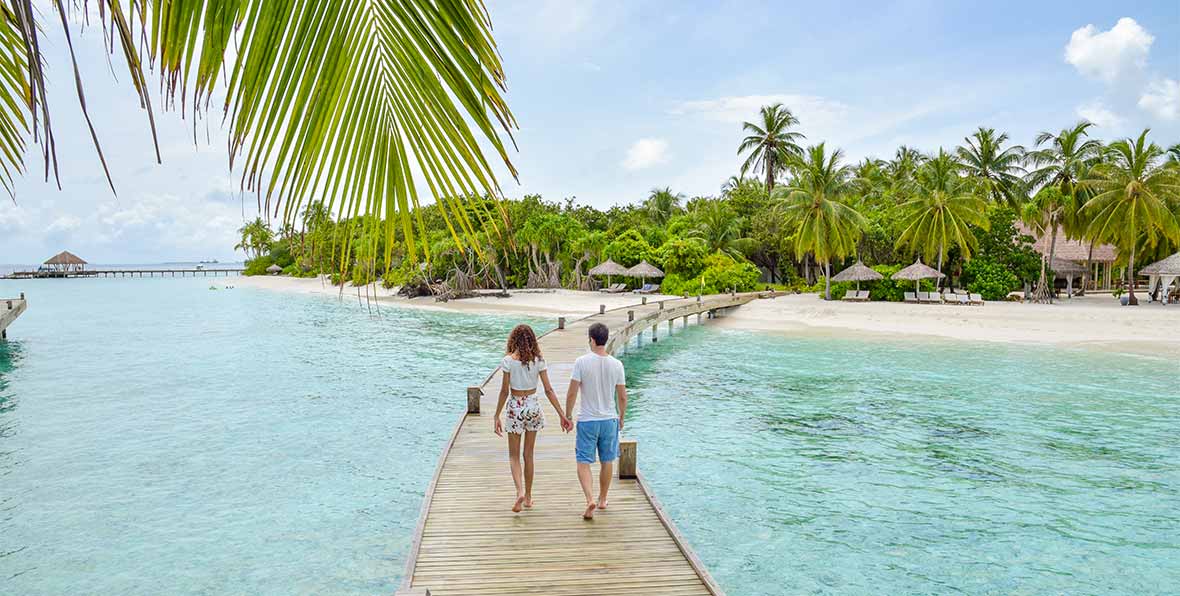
(1161, 274)
(644, 270)
(608, 268)
(274, 269)
(65, 261)
(918, 271)
(1063, 267)
(858, 272)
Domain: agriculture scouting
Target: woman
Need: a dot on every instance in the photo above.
(523, 366)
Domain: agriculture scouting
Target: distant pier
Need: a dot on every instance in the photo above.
(124, 273)
(10, 309)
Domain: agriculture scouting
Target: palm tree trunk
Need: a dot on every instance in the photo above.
(1131, 299)
(827, 281)
(1089, 265)
(769, 163)
(1052, 251)
(939, 281)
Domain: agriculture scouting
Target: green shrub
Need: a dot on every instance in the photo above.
(721, 274)
(258, 265)
(629, 248)
(887, 289)
(839, 288)
(990, 279)
(684, 257)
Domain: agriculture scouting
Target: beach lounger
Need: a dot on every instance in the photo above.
(911, 297)
(856, 296)
(614, 288)
(864, 296)
(929, 297)
(964, 299)
(976, 299)
(648, 289)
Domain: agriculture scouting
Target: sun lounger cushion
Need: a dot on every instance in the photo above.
(977, 299)
(911, 297)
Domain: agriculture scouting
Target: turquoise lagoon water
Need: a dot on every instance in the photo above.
(157, 437)
(825, 466)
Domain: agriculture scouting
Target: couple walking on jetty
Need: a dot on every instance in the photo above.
(597, 376)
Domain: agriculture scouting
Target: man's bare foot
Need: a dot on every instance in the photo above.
(516, 506)
(528, 503)
(589, 514)
(603, 504)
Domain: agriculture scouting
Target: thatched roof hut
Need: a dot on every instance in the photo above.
(1064, 268)
(1067, 249)
(645, 270)
(1162, 273)
(858, 272)
(274, 270)
(66, 261)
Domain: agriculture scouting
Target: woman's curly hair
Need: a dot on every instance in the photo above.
(523, 342)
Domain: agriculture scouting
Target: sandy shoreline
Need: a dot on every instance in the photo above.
(1090, 322)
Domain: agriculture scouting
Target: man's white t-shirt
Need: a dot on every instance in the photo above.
(598, 376)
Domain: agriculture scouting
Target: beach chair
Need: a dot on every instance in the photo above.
(648, 289)
(964, 299)
(911, 297)
(864, 296)
(929, 297)
(614, 288)
(853, 296)
(976, 299)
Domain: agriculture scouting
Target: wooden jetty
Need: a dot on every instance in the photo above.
(10, 309)
(469, 542)
(124, 273)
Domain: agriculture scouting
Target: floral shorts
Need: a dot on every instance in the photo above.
(523, 413)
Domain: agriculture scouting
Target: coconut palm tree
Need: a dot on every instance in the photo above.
(1063, 159)
(813, 205)
(997, 168)
(899, 172)
(1046, 212)
(1174, 153)
(717, 226)
(662, 204)
(256, 236)
(771, 143)
(1130, 208)
(337, 102)
(942, 207)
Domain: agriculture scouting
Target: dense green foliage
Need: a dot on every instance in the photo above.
(812, 216)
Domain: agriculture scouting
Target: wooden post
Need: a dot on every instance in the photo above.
(628, 460)
(698, 297)
(473, 395)
(661, 305)
(561, 322)
(630, 316)
(602, 309)
(22, 295)
(654, 328)
(643, 300)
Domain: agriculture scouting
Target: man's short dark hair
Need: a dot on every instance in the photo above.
(599, 333)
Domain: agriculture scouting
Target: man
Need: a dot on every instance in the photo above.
(600, 378)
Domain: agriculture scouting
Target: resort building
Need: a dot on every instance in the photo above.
(1071, 256)
(64, 262)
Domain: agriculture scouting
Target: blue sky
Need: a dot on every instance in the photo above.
(615, 98)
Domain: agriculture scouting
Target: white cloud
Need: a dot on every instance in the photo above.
(13, 218)
(1109, 55)
(1162, 99)
(1097, 112)
(646, 153)
(63, 224)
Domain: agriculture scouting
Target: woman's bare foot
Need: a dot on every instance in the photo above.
(589, 514)
(517, 505)
(603, 504)
(528, 502)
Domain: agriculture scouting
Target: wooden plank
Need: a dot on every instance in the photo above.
(466, 540)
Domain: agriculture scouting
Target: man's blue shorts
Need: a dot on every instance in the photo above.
(600, 435)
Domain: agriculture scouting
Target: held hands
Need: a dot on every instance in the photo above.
(566, 424)
(498, 427)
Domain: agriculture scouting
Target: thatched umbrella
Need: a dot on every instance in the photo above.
(917, 272)
(608, 268)
(274, 270)
(857, 273)
(644, 270)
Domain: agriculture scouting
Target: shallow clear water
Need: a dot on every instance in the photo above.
(157, 437)
(824, 466)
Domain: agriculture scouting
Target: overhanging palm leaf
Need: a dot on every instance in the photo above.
(352, 103)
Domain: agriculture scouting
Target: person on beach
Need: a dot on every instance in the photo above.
(523, 367)
(601, 380)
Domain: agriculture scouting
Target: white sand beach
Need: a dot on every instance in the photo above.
(1095, 321)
